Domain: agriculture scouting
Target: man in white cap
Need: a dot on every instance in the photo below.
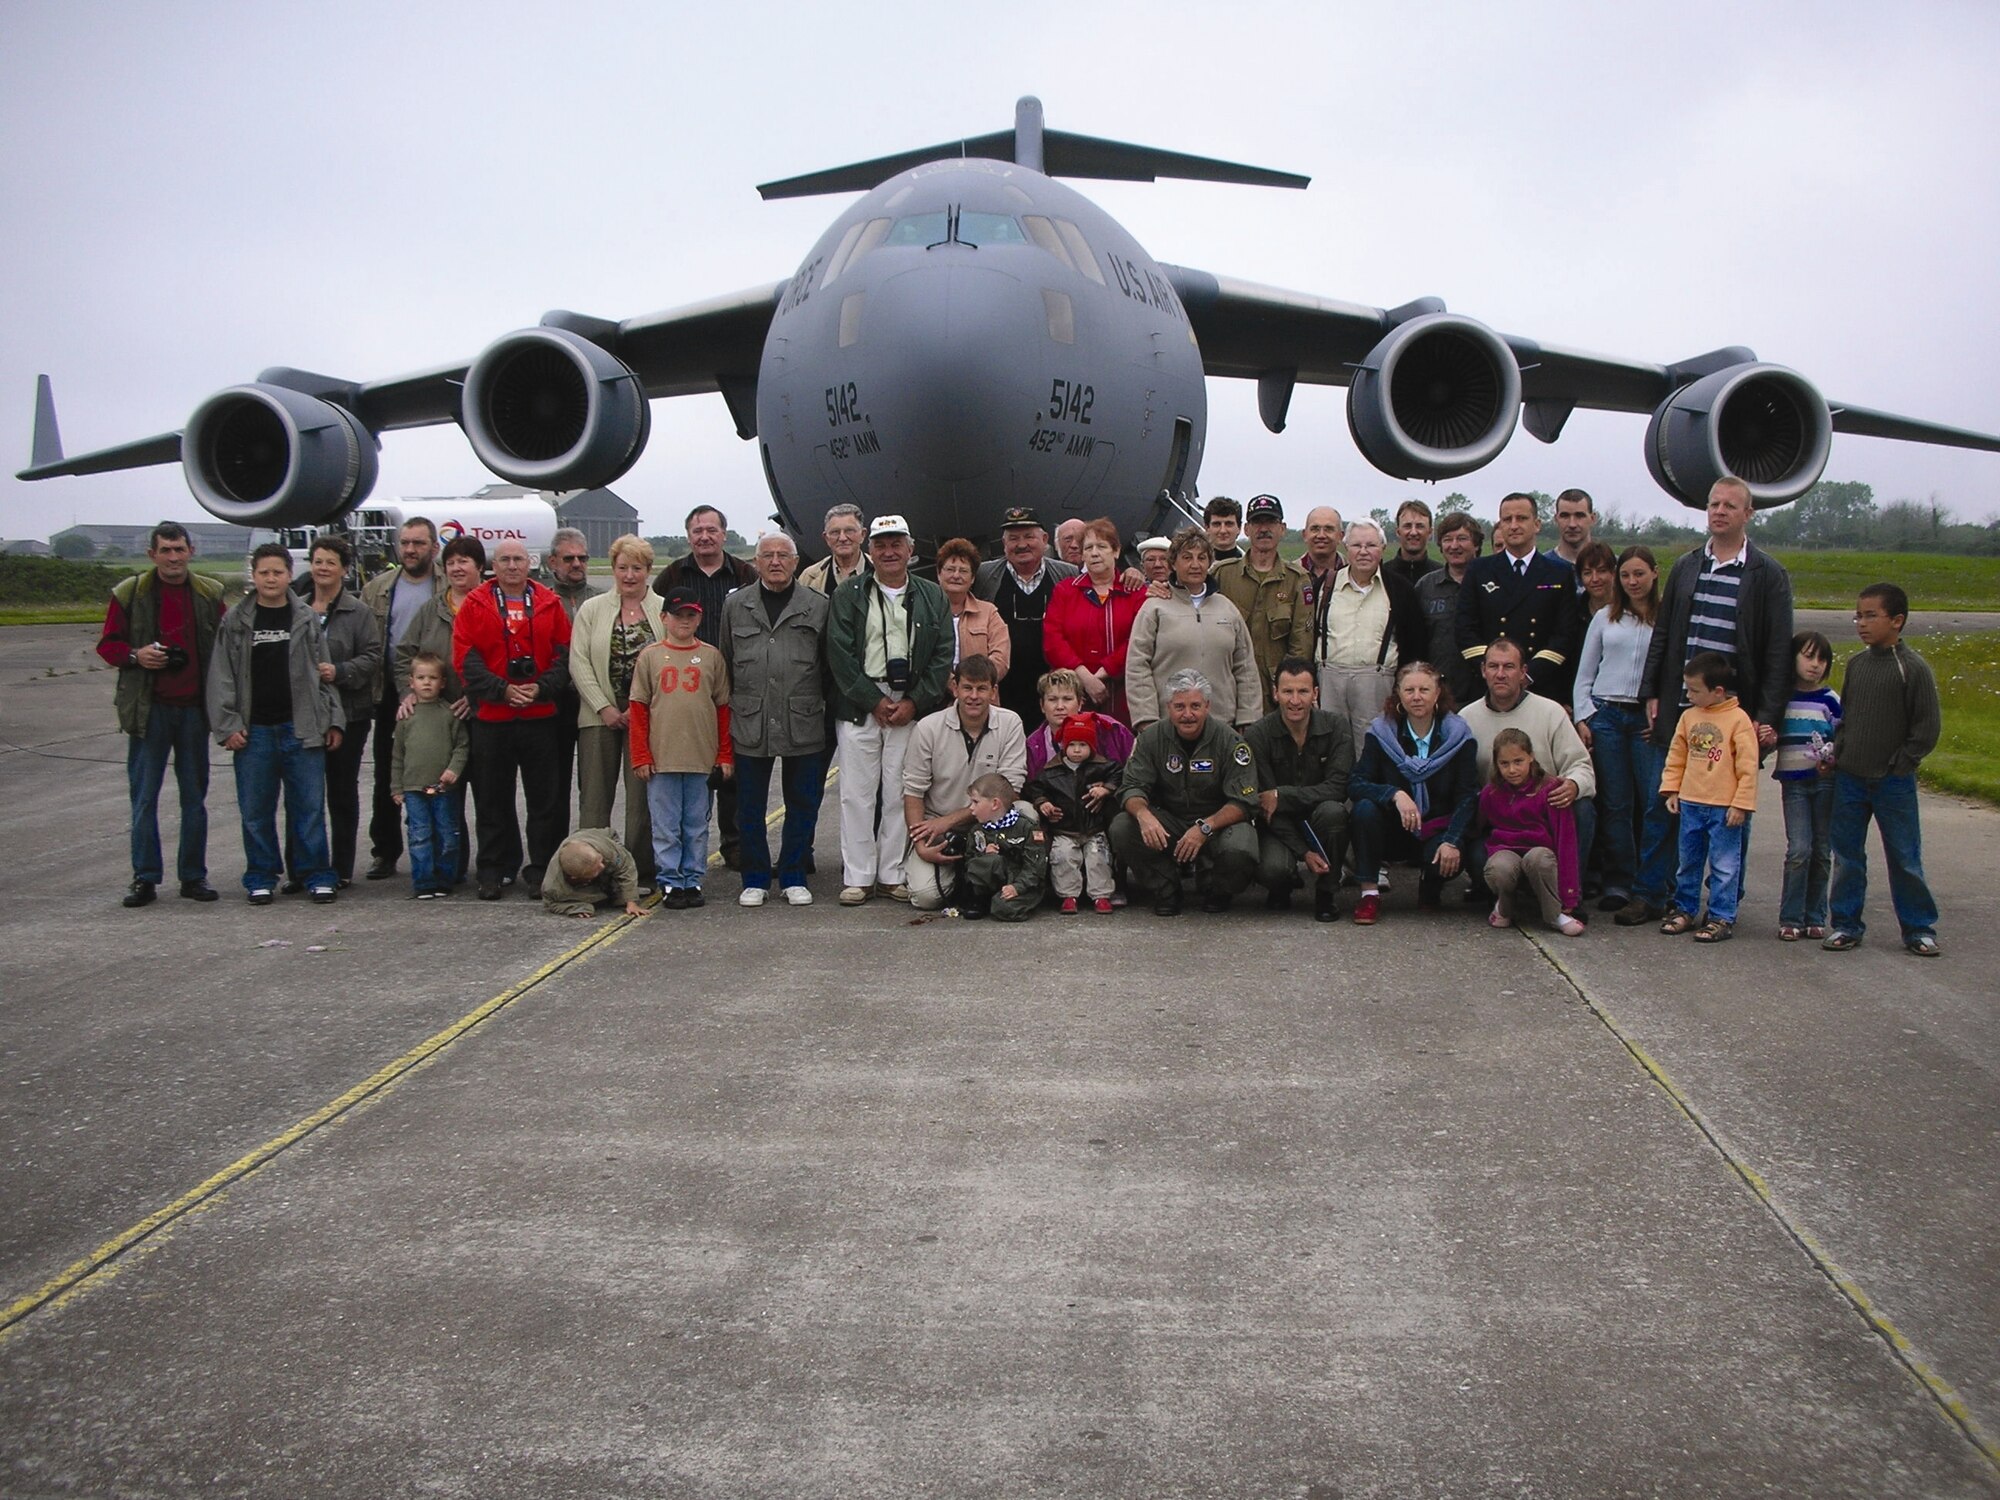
(889, 645)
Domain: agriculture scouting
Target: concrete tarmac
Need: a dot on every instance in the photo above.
(826, 1202)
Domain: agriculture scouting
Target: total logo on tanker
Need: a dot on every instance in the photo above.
(451, 531)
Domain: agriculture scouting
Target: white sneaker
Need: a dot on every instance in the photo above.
(798, 895)
(753, 895)
(1382, 878)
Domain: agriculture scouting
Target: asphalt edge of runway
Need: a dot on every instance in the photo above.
(1940, 1391)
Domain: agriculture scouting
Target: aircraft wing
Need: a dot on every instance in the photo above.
(1263, 333)
(706, 346)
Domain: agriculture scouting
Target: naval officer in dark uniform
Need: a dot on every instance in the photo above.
(1524, 595)
(1189, 793)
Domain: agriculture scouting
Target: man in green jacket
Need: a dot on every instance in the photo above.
(1304, 755)
(888, 646)
(159, 632)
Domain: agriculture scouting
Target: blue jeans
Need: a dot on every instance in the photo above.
(182, 733)
(803, 778)
(274, 757)
(1708, 842)
(1892, 802)
(1808, 850)
(1628, 779)
(679, 803)
(434, 838)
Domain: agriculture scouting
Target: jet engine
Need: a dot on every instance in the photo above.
(1762, 423)
(1437, 398)
(262, 455)
(546, 408)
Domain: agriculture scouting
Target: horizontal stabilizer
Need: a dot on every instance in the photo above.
(1057, 153)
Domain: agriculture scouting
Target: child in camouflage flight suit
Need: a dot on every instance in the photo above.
(1007, 858)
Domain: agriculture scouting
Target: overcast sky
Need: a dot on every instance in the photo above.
(196, 191)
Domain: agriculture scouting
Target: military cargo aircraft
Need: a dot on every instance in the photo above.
(972, 335)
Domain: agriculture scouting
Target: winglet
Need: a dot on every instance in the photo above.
(48, 440)
(1056, 153)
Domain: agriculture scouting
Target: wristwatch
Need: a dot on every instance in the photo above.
(1206, 831)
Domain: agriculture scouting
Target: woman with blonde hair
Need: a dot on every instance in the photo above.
(609, 632)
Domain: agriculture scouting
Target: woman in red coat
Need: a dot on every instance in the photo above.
(1089, 622)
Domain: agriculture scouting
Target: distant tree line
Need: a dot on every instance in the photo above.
(667, 547)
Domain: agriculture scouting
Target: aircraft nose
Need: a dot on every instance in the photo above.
(955, 343)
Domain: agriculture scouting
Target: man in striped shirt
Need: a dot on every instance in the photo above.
(1728, 596)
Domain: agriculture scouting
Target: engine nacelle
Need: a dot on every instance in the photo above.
(1762, 423)
(548, 409)
(1438, 397)
(262, 455)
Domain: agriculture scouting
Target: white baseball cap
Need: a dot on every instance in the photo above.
(888, 526)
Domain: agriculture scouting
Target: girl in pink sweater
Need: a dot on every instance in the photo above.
(1528, 839)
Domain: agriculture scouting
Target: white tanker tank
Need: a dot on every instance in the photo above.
(528, 519)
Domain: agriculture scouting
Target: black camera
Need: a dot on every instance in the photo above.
(954, 845)
(177, 658)
(521, 669)
(898, 674)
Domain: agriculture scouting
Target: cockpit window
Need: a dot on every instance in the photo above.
(1079, 249)
(1043, 233)
(973, 229)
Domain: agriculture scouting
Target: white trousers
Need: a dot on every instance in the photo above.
(1356, 693)
(871, 767)
(1079, 866)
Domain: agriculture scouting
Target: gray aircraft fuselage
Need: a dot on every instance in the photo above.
(973, 335)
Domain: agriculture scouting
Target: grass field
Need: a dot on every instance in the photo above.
(1967, 759)
(1933, 580)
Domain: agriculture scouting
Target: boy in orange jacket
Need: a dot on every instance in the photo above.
(1711, 781)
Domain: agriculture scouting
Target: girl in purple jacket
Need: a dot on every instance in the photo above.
(1526, 838)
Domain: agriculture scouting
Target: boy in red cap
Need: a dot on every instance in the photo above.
(679, 730)
(1075, 796)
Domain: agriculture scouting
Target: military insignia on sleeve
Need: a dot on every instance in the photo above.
(1490, 586)
(1242, 754)
(1038, 836)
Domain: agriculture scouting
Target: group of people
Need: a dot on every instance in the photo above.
(1205, 715)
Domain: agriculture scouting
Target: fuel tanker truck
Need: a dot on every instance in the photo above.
(523, 516)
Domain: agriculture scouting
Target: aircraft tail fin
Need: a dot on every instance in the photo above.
(1058, 153)
(48, 439)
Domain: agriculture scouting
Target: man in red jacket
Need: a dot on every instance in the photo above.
(510, 645)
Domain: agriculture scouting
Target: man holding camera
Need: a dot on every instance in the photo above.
(510, 646)
(159, 632)
(888, 645)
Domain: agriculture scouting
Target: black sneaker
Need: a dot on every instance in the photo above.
(141, 894)
(262, 896)
(291, 887)
(694, 897)
(489, 890)
(379, 868)
(1323, 905)
(198, 890)
(675, 900)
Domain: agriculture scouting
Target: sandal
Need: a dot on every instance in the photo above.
(1677, 924)
(1815, 932)
(1841, 942)
(1924, 947)
(1789, 934)
(1713, 931)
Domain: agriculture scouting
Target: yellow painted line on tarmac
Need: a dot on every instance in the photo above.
(1940, 1390)
(101, 1263)
(61, 1286)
